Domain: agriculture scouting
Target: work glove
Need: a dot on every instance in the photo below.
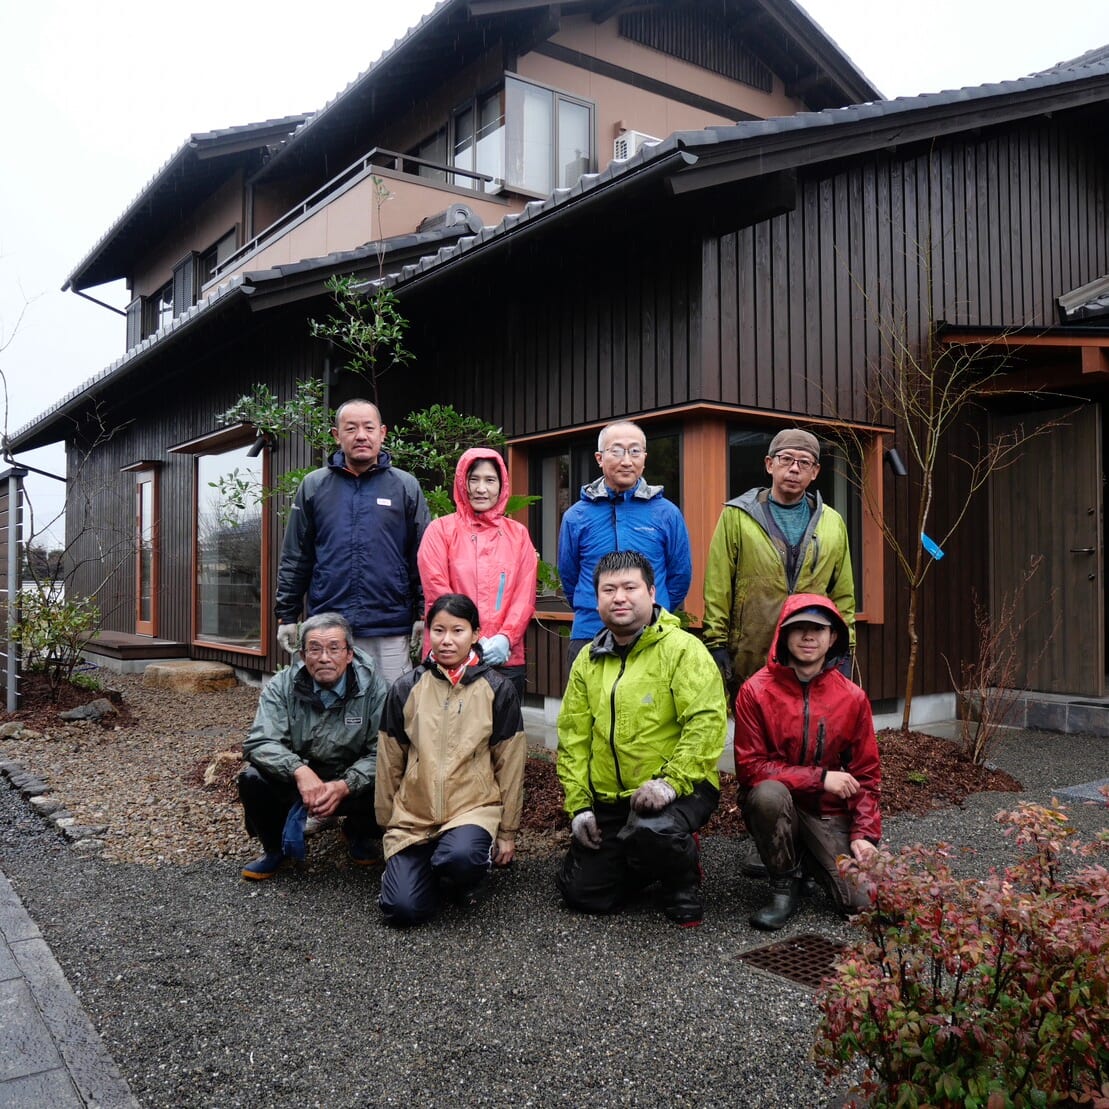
(288, 636)
(653, 796)
(495, 649)
(416, 638)
(723, 659)
(584, 829)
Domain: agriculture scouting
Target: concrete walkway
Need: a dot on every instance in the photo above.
(50, 1055)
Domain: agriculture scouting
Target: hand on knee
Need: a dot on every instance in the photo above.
(653, 796)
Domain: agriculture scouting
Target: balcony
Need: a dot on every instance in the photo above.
(348, 212)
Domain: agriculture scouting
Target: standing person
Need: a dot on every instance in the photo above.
(312, 749)
(620, 512)
(450, 777)
(641, 730)
(351, 543)
(806, 762)
(480, 552)
(768, 544)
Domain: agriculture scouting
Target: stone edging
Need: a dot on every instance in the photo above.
(84, 837)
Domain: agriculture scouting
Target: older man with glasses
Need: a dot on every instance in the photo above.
(769, 544)
(620, 511)
(312, 749)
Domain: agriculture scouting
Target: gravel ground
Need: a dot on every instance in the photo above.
(209, 991)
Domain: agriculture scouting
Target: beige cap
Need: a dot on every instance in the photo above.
(794, 439)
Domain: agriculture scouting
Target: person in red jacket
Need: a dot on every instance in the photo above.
(806, 761)
(481, 553)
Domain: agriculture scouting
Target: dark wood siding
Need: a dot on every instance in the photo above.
(623, 311)
(786, 316)
(176, 403)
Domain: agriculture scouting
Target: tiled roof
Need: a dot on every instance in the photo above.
(231, 137)
(878, 123)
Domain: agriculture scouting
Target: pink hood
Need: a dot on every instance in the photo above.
(461, 494)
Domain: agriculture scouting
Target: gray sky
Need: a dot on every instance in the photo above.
(96, 102)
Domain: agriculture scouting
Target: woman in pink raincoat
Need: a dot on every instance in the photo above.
(481, 553)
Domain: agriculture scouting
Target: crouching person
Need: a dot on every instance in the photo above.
(806, 761)
(450, 781)
(312, 749)
(640, 733)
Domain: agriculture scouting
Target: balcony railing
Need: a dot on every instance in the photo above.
(378, 156)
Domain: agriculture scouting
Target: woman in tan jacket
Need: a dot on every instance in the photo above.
(450, 770)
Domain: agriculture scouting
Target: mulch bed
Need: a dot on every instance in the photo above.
(919, 772)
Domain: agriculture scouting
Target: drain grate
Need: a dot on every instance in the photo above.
(805, 959)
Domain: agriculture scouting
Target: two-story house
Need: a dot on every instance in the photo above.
(561, 270)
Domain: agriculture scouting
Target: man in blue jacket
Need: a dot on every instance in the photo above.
(351, 543)
(620, 512)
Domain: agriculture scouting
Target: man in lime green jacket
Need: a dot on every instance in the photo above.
(642, 728)
(769, 544)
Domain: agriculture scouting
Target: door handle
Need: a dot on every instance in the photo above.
(1083, 550)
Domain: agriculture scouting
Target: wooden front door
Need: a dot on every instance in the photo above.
(1049, 503)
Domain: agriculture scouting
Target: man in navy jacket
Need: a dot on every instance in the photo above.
(351, 544)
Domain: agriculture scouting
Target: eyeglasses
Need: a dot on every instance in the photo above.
(789, 460)
(332, 650)
(634, 453)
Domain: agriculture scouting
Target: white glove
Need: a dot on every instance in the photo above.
(495, 649)
(416, 638)
(653, 796)
(288, 636)
(584, 829)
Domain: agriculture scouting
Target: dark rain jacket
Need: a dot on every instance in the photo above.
(351, 544)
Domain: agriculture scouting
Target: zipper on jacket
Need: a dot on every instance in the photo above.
(820, 733)
(804, 721)
(500, 594)
(612, 724)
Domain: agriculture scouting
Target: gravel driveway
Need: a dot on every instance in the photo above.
(209, 991)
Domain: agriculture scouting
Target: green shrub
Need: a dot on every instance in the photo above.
(978, 993)
(52, 632)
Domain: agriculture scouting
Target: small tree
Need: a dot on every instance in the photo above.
(368, 328)
(927, 391)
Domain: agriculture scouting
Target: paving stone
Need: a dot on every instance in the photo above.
(89, 1063)
(190, 676)
(51, 1088)
(25, 1043)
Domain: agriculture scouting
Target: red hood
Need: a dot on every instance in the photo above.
(799, 601)
(461, 495)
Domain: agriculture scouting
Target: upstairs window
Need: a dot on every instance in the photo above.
(478, 140)
(548, 138)
(528, 138)
(216, 255)
(161, 309)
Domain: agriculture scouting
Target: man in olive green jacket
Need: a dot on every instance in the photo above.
(312, 749)
(642, 728)
(769, 544)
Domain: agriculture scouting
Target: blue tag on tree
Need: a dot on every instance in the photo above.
(931, 546)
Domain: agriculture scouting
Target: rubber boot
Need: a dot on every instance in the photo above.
(785, 897)
(265, 866)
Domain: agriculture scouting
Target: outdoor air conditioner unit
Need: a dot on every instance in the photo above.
(628, 142)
